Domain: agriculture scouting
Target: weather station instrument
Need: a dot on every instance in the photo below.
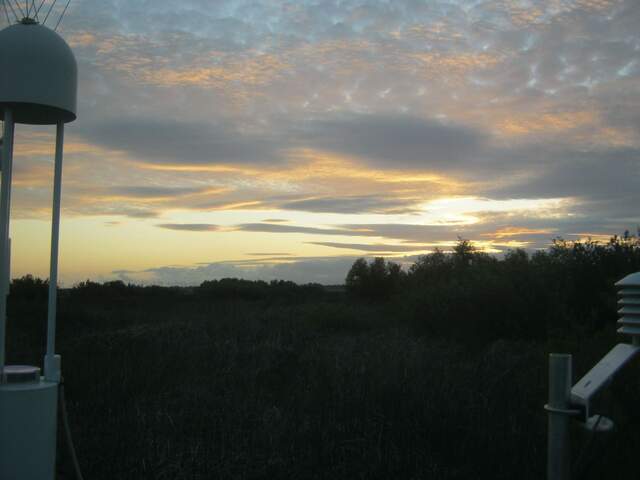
(567, 401)
(38, 86)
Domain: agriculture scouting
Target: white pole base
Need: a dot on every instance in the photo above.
(28, 430)
(52, 368)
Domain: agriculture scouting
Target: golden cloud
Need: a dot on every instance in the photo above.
(81, 39)
(507, 232)
(547, 122)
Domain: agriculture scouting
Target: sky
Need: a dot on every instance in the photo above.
(269, 139)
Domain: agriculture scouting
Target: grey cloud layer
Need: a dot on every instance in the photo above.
(179, 141)
(189, 227)
(377, 248)
(147, 191)
(351, 204)
(279, 228)
(323, 270)
(399, 141)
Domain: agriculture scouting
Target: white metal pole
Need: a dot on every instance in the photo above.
(558, 454)
(51, 362)
(5, 209)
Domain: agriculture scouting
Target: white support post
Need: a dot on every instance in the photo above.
(558, 408)
(5, 210)
(51, 360)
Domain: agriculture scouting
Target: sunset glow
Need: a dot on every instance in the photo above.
(285, 139)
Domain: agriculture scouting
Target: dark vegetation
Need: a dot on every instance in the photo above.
(436, 372)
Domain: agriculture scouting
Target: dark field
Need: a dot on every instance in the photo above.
(437, 380)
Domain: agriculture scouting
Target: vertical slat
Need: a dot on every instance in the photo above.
(629, 301)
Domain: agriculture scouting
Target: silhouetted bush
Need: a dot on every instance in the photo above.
(254, 290)
(376, 280)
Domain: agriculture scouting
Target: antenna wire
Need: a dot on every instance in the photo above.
(6, 12)
(38, 10)
(62, 15)
(48, 12)
(12, 9)
(19, 8)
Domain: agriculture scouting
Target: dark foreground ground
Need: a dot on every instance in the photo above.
(168, 384)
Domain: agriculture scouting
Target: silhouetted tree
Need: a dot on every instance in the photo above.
(378, 279)
(569, 286)
(29, 287)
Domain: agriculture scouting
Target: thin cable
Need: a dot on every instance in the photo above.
(584, 463)
(38, 10)
(581, 464)
(67, 432)
(62, 15)
(19, 7)
(6, 12)
(50, 8)
(13, 10)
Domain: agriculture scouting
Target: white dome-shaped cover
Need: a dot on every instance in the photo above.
(38, 75)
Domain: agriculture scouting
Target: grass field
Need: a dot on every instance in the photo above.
(170, 385)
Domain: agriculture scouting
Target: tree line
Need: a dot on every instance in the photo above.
(466, 293)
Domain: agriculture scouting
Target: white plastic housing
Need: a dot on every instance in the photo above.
(28, 430)
(38, 75)
(629, 303)
(602, 372)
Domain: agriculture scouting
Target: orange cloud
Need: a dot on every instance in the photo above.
(507, 232)
(81, 39)
(454, 64)
(249, 71)
(547, 122)
(320, 168)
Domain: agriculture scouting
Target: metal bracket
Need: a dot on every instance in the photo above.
(572, 412)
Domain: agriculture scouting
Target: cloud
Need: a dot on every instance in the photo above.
(133, 213)
(414, 233)
(510, 232)
(365, 110)
(595, 173)
(278, 228)
(180, 141)
(378, 248)
(380, 140)
(352, 204)
(189, 227)
(396, 141)
(323, 270)
(146, 191)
